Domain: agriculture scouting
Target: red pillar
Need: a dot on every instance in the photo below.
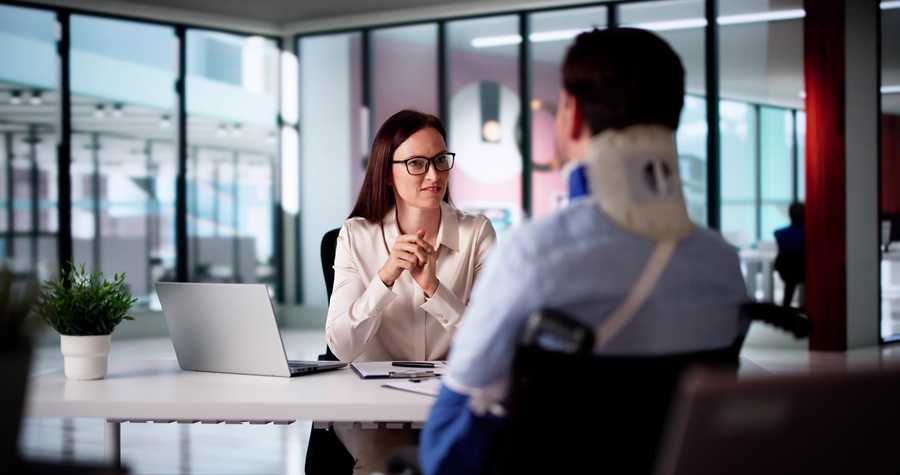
(826, 240)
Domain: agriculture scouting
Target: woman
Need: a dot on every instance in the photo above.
(405, 264)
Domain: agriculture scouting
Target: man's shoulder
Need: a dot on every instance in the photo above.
(579, 222)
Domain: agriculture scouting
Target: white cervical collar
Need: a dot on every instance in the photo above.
(634, 178)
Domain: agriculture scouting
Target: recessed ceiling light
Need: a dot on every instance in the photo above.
(100, 111)
(15, 98)
(36, 98)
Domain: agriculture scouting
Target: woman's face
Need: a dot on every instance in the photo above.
(426, 190)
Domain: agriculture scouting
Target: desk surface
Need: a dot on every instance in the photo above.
(159, 390)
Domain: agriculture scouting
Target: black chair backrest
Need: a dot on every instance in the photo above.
(327, 251)
(326, 455)
(570, 411)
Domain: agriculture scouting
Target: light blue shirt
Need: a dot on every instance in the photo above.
(581, 263)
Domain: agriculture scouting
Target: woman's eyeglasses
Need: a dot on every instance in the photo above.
(419, 165)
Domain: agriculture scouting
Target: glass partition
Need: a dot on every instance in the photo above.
(232, 105)
(123, 149)
(29, 111)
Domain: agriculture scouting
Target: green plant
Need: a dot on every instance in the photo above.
(18, 292)
(88, 305)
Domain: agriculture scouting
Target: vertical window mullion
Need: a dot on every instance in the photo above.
(182, 273)
(525, 110)
(713, 148)
(64, 144)
(757, 157)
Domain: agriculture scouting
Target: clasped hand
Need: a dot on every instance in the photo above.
(412, 253)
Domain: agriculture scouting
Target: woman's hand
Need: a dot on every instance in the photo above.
(410, 251)
(424, 274)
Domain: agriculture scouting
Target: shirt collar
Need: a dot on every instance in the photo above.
(448, 232)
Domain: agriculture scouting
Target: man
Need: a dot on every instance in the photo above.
(622, 95)
(791, 262)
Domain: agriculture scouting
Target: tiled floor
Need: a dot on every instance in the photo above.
(253, 449)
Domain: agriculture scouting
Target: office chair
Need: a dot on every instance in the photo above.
(326, 454)
(560, 392)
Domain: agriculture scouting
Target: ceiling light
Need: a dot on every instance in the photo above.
(36, 98)
(491, 131)
(99, 111)
(536, 104)
(891, 89)
(667, 25)
(492, 41)
(670, 25)
(165, 122)
(117, 110)
(761, 17)
(890, 5)
(15, 98)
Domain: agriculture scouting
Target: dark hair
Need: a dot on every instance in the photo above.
(796, 212)
(624, 76)
(376, 196)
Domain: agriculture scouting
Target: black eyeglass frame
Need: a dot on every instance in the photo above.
(429, 162)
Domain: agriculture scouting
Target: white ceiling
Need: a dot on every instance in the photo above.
(285, 11)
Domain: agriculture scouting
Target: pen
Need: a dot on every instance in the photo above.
(411, 374)
(413, 364)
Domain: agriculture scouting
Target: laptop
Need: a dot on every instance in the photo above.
(834, 423)
(229, 328)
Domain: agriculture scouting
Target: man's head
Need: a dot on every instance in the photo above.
(613, 79)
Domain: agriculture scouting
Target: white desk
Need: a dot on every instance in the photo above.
(157, 390)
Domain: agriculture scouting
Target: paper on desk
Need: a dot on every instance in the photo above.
(383, 369)
(427, 386)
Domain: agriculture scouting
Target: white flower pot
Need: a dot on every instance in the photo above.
(85, 356)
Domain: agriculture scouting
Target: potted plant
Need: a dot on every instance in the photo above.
(18, 293)
(84, 308)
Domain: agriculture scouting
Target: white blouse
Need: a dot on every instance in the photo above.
(367, 321)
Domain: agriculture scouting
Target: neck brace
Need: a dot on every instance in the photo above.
(633, 177)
